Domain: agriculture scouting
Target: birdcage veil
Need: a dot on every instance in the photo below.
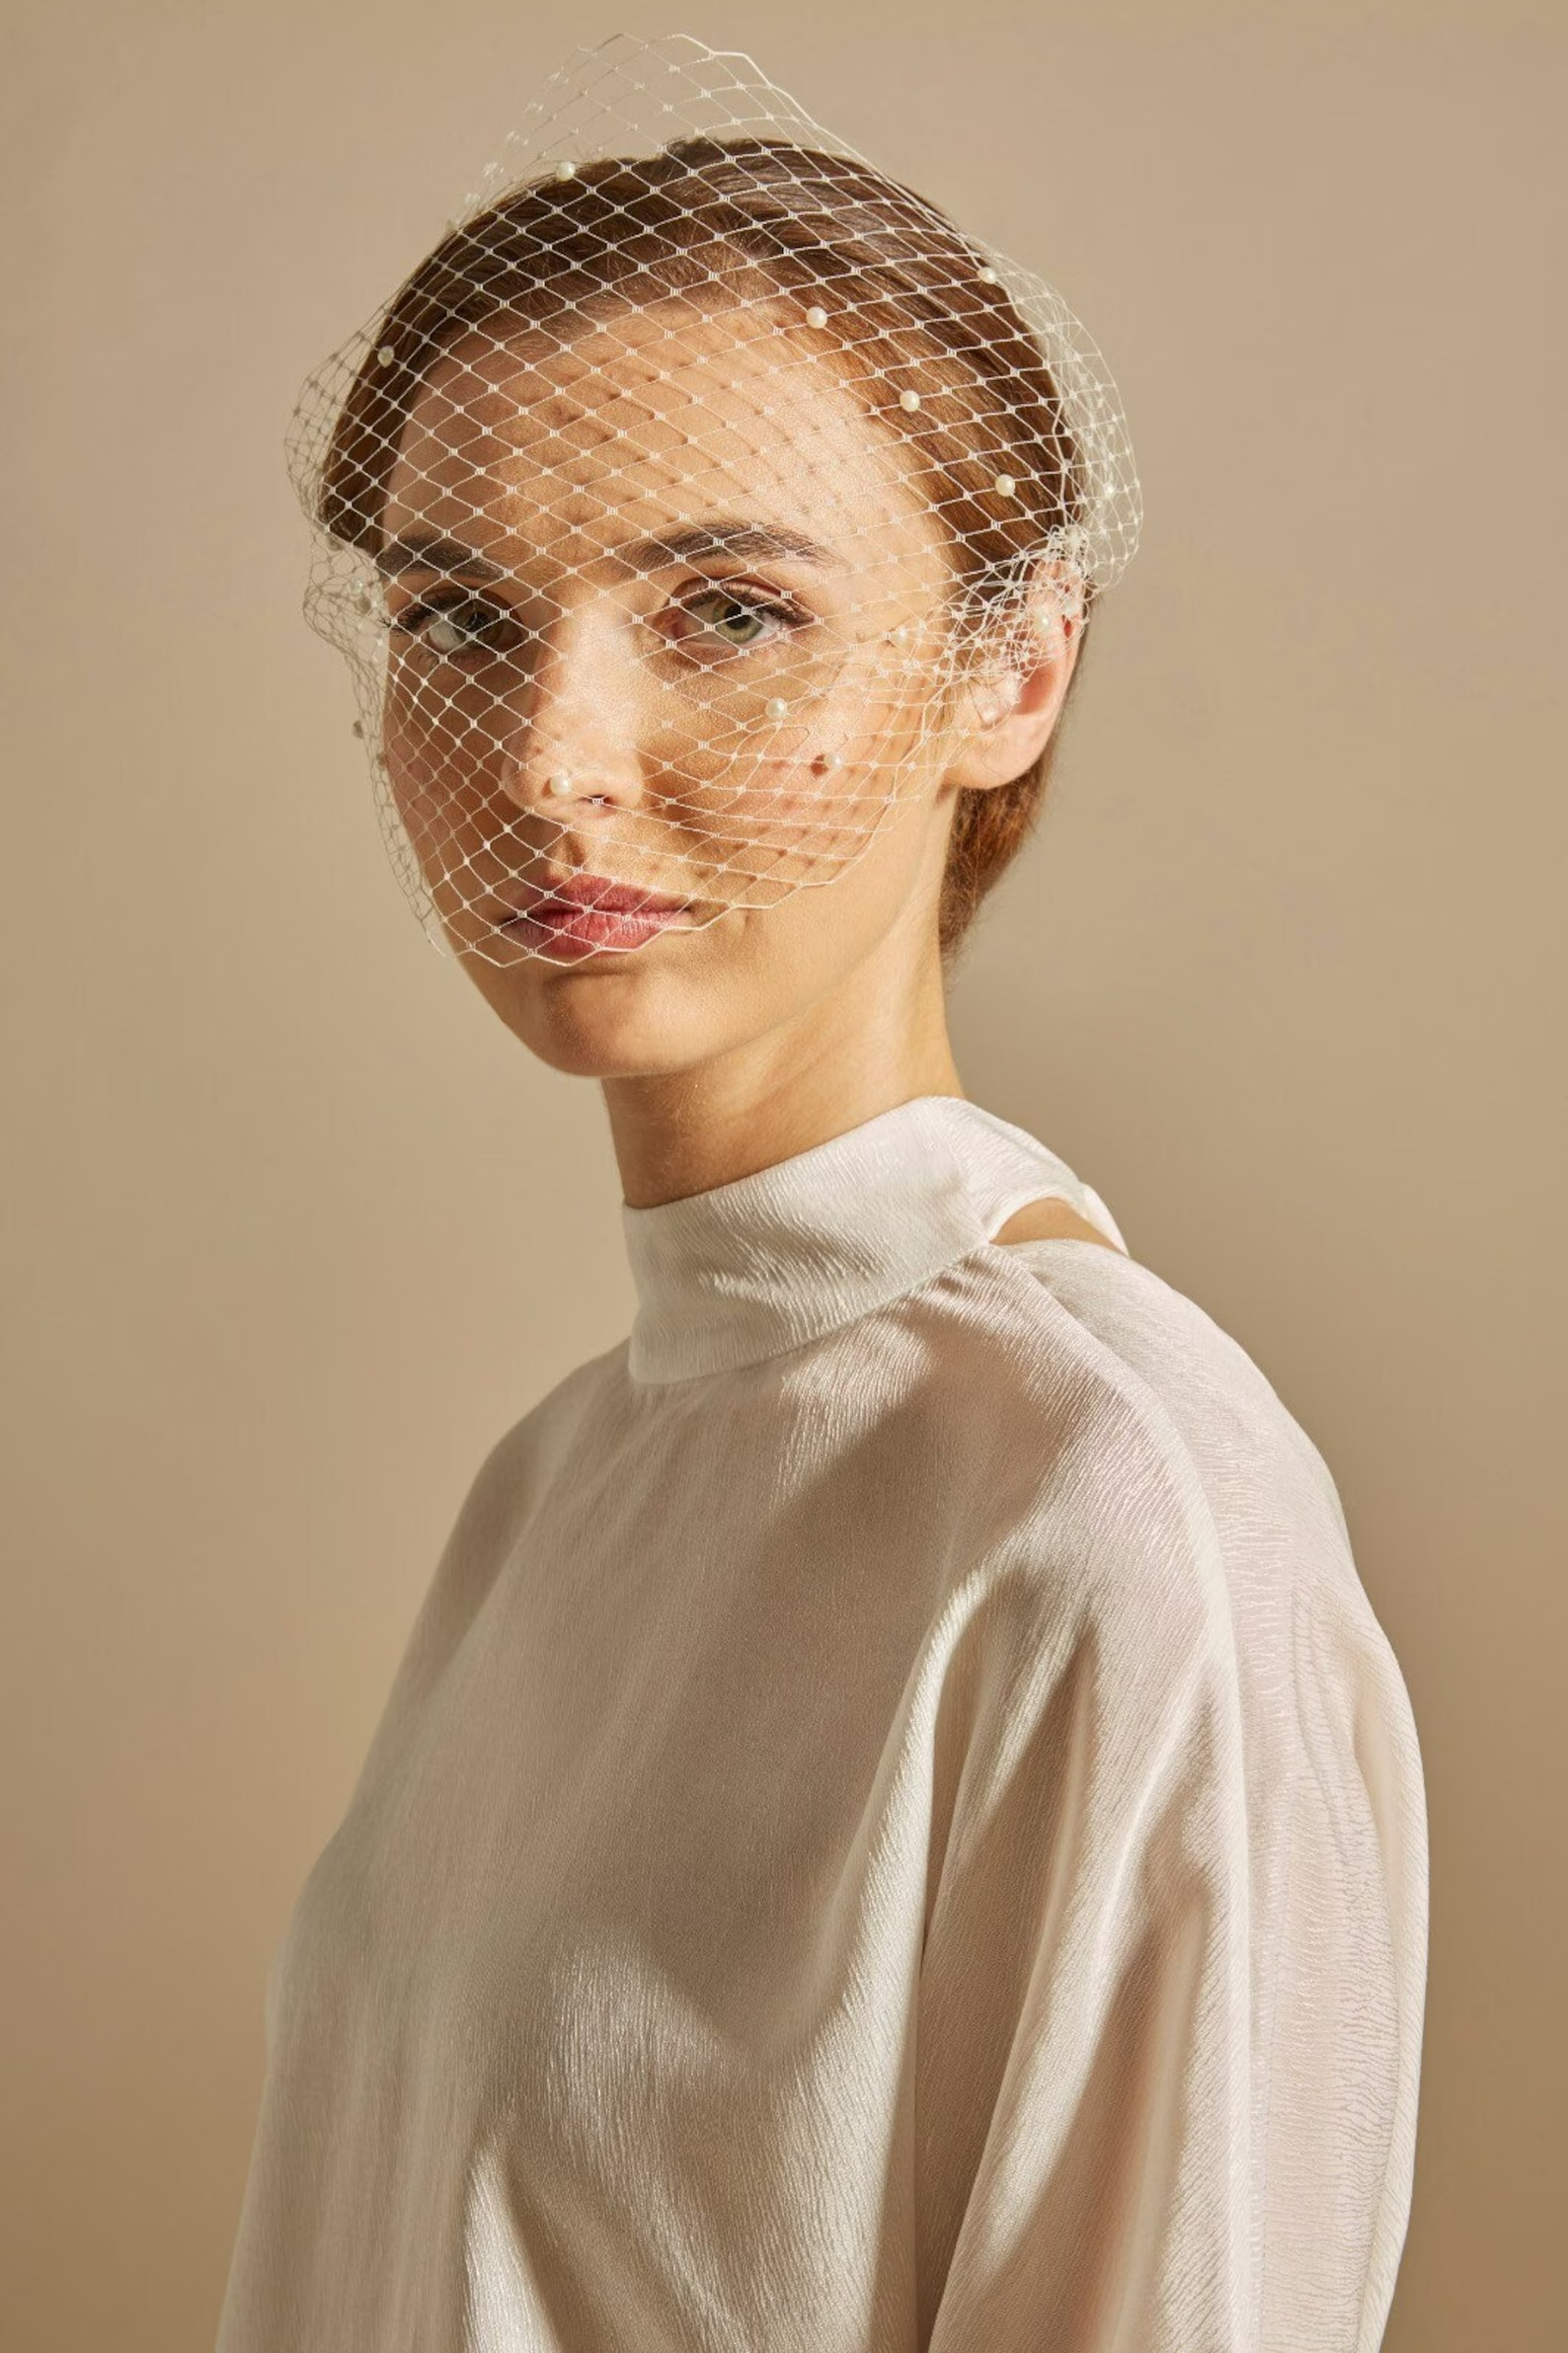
(680, 506)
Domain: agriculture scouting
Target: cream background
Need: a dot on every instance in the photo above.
(294, 1229)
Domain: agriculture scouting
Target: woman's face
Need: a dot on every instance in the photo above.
(674, 567)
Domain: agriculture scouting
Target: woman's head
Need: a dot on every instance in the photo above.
(730, 540)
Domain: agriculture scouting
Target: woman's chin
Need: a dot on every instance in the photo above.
(604, 1017)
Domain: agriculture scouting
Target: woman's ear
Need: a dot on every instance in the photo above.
(1008, 708)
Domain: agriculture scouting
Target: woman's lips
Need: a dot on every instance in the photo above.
(561, 923)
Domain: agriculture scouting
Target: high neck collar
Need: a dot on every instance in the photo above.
(747, 1270)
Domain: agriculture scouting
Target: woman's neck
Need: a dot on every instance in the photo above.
(683, 1131)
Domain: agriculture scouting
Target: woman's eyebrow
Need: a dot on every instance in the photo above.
(722, 537)
(430, 551)
(427, 551)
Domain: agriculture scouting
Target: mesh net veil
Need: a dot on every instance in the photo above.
(686, 506)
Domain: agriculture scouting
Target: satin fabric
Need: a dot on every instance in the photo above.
(897, 1829)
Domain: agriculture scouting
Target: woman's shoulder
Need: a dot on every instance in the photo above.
(1158, 1347)
(1230, 1544)
(530, 1447)
(1190, 1402)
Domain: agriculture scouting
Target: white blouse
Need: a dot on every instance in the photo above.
(897, 1830)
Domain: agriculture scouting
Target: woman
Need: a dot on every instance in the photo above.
(896, 1825)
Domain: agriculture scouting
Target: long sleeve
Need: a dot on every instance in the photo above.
(1169, 2010)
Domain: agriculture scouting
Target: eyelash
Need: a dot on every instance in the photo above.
(409, 622)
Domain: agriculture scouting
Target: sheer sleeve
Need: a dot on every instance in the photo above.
(1169, 2009)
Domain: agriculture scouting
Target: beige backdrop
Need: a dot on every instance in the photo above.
(296, 1229)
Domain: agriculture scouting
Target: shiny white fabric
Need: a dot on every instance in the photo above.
(896, 1828)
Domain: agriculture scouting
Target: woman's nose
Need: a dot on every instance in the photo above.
(577, 727)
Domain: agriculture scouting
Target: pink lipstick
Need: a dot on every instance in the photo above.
(586, 912)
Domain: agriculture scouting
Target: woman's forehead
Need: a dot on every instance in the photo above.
(650, 419)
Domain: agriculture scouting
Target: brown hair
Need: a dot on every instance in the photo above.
(757, 219)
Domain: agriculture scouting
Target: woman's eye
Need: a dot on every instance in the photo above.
(731, 622)
(463, 625)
